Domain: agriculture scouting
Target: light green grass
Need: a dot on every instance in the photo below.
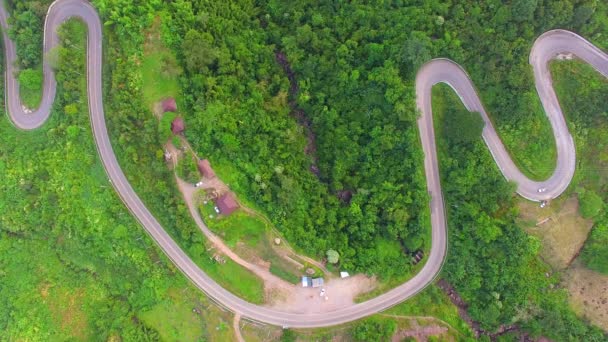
(188, 316)
(156, 84)
(174, 321)
(253, 232)
(159, 68)
(230, 275)
(434, 303)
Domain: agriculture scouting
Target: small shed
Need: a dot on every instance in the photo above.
(306, 282)
(177, 125)
(204, 167)
(169, 105)
(317, 282)
(227, 203)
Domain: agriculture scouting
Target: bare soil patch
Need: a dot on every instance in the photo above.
(588, 293)
(422, 333)
(65, 306)
(560, 228)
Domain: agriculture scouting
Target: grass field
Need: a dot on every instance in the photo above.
(159, 68)
(562, 232)
(588, 293)
(251, 238)
(188, 317)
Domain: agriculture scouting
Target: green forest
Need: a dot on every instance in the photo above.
(307, 108)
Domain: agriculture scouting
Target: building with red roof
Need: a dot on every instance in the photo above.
(204, 167)
(178, 125)
(227, 204)
(169, 105)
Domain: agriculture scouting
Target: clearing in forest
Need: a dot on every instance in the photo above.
(159, 68)
(560, 228)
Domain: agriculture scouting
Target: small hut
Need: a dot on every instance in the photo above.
(169, 105)
(227, 204)
(177, 125)
(204, 167)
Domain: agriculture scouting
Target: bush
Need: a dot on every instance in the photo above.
(595, 252)
(375, 329)
(332, 256)
(31, 79)
(590, 203)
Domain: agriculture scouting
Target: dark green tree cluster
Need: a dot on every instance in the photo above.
(365, 145)
(492, 262)
(26, 25)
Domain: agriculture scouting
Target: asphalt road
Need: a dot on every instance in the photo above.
(437, 71)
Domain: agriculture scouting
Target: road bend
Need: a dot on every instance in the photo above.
(547, 47)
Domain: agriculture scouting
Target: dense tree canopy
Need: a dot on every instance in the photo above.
(307, 109)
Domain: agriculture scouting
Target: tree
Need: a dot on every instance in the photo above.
(332, 256)
(463, 127)
(198, 50)
(523, 10)
(416, 50)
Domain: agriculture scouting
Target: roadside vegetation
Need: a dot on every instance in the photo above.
(493, 264)
(65, 236)
(357, 183)
(250, 236)
(583, 95)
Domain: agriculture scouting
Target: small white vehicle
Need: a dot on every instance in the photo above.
(541, 190)
(543, 204)
(198, 184)
(217, 210)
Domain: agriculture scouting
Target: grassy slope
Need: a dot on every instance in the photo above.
(159, 79)
(59, 281)
(248, 234)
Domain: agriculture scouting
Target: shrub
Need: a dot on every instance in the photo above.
(31, 79)
(590, 203)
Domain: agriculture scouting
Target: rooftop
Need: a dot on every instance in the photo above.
(227, 203)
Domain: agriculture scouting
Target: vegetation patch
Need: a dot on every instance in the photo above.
(66, 307)
(30, 87)
(432, 302)
(251, 237)
(177, 319)
(559, 227)
(595, 253)
(588, 293)
(159, 67)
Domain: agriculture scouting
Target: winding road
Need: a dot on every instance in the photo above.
(547, 47)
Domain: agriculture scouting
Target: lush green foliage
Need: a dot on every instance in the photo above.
(375, 329)
(492, 262)
(591, 204)
(354, 66)
(464, 127)
(65, 235)
(595, 253)
(26, 25)
(30, 79)
(30, 84)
